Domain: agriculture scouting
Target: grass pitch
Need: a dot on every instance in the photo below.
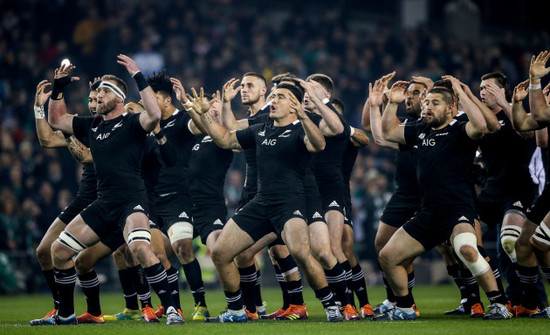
(17, 310)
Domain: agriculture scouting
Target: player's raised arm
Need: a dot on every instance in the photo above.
(220, 135)
(47, 137)
(476, 126)
(228, 119)
(492, 122)
(376, 94)
(392, 129)
(330, 124)
(152, 114)
(58, 116)
(195, 126)
(314, 139)
(521, 121)
(537, 102)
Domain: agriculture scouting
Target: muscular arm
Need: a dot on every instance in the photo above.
(492, 122)
(79, 151)
(330, 125)
(365, 116)
(47, 137)
(359, 138)
(477, 125)
(151, 116)
(538, 105)
(220, 135)
(58, 116)
(314, 139)
(376, 129)
(392, 129)
(195, 126)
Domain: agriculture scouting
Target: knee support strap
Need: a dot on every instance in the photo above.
(508, 237)
(139, 234)
(180, 231)
(71, 242)
(480, 266)
(542, 234)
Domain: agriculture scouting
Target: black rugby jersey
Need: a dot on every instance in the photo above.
(327, 164)
(174, 178)
(507, 156)
(281, 157)
(208, 166)
(117, 147)
(406, 179)
(251, 176)
(444, 159)
(88, 182)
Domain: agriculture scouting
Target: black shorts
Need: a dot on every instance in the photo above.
(491, 209)
(332, 194)
(105, 216)
(76, 206)
(263, 216)
(538, 211)
(314, 206)
(432, 227)
(114, 240)
(400, 209)
(171, 208)
(208, 217)
(246, 197)
(348, 216)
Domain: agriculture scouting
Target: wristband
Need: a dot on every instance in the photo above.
(325, 101)
(535, 87)
(58, 87)
(161, 139)
(140, 81)
(352, 131)
(39, 112)
(187, 106)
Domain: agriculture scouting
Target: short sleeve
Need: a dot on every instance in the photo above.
(411, 134)
(136, 125)
(246, 137)
(82, 126)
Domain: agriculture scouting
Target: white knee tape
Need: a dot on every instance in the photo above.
(139, 235)
(478, 267)
(542, 234)
(180, 231)
(70, 241)
(508, 237)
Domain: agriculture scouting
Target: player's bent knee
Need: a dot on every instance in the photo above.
(508, 237)
(138, 235)
(465, 246)
(68, 240)
(180, 231)
(541, 238)
(83, 265)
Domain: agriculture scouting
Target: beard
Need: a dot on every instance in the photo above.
(436, 122)
(251, 100)
(106, 107)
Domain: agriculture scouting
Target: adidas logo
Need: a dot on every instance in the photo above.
(297, 213)
(161, 292)
(218, 222)
(183, 215)
(317, 215)
(518, 204)
(463, 218)
(334, 204)
(139, 208)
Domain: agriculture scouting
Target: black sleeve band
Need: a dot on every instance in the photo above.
(159, 135)
(67, 136)
(140, 81)
(58, 87)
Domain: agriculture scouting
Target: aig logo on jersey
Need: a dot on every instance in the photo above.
(269, 141)
(101, 137)
(428, 142)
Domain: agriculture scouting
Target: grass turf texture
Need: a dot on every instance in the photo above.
(431, 300)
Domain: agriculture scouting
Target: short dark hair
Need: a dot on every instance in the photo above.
(95, 85)
(160, 82)
(296, 90)
(282, 76)
(257, 75)
(338, 104)
(118, 82)
(324, 80)
(502, 82)
(447, 95)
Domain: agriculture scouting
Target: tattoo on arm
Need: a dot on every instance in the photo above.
(77, 149)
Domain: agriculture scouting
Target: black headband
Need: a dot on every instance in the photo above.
(296, 91)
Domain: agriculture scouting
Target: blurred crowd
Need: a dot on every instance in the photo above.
(206, 43)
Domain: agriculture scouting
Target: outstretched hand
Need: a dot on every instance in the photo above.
(64, 71)
(201, 105)
(397, 92)
(229, 90)
(179, 90)
(91, 83)
(41, 95)
(128, 63)
(376, 93)
(538, 68)
(521, 91)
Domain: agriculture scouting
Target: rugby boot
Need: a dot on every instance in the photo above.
(159, 312)
(200, 312)
(497, 311)
(294, 312)
(520, 311)
(126, 314)
(383, 307)
(396, 314)
(333, 314)
(544, 314)
(273, 315)
(55, 320)
(367, 311)
(252, 316)
(476, 311)
(234, 316)
(349, 313)
(148, 314)
(89, 318)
